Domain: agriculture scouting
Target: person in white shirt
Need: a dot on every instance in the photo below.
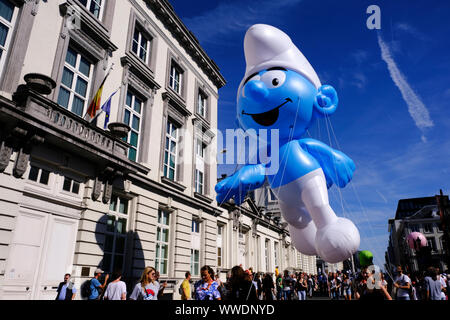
(442, 278)
(403, 284)
(116, 289)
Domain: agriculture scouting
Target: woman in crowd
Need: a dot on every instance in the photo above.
(335, 286)
(268, 288)
(347, 287)
(242, 287)
(301, 287)
(207, 288)
(287, 285)
(148, 287)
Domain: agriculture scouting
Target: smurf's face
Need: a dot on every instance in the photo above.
(276, 98)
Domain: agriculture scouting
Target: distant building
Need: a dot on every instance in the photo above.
(420, 215)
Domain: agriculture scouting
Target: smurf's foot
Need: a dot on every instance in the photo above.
(304, 239)
(337, 241)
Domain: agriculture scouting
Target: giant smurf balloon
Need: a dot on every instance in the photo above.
(280, 90)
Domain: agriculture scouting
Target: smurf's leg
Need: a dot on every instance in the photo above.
(301, 228)
(336, 238)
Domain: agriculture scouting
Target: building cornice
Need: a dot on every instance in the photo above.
(164, 11)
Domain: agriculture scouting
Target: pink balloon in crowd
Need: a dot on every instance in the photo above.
(416, 240)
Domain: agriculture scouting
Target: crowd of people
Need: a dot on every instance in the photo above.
(248, 286)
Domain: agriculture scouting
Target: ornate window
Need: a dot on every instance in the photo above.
(170, 150)
(162, 242)
(39, 175)
(141, 45)
(75, 82)
(71, 185)
(202, 99)
(132, 116)
(199, 166)
(94, 6)
(220, 229)
(432, 244)
(176, 78)
(8, 18)
(195, 247)
(116, 234)
(275, 253)
(195, 262)
(266, 253)
(428, 227)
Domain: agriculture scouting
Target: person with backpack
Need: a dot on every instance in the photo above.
(95, 286)
(403, 284)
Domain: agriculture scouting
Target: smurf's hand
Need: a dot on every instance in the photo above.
(337, 167)
(249, 177)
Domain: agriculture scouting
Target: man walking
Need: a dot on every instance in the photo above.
(186, 287)
(95, 284)
(66, 289)
(403, 284)
(433, 284)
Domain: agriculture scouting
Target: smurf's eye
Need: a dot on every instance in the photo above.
(274, 78)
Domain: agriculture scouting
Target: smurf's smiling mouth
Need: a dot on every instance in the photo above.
(267, 118)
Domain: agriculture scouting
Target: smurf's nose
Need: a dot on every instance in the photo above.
(256, 90)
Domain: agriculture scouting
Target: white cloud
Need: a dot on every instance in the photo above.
(416, 107)
(407, 28)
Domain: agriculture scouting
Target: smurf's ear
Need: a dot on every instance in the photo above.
(326, 101)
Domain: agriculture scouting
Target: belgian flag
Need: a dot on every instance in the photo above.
(94, 106)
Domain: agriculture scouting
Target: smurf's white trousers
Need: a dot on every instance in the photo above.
(313, 226)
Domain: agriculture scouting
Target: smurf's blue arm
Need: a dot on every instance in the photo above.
(248, 178)
(337, 167)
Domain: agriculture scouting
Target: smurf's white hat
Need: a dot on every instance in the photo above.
(266, 47)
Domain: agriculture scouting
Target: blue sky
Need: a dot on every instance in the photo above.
(393, 85)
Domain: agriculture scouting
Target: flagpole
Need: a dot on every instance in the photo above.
(103, 82)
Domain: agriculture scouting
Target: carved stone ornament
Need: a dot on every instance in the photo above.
(40, 83)
(236, 222)
(255, 227)
(21, 164)
(107, 192)
(97, 189)
(5, 156)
